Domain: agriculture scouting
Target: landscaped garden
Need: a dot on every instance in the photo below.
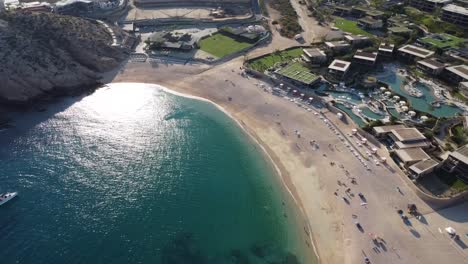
(443, 41)
(263, 63)
(220, 45)
(350, 27)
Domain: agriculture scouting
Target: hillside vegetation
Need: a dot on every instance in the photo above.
(47, 53)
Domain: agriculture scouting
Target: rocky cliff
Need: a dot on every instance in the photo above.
(45, 53)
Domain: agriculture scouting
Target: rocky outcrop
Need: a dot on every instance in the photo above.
(45, 53)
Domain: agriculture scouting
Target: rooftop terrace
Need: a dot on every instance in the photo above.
(339, 65)
(408, 134)
(431, 63)
(416, 51)
(412, 154)
(460, 70)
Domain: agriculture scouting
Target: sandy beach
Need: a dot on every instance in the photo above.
(311, 173)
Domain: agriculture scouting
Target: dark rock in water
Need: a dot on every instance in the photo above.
(259, 250)
(238, 257)
(182, 250)
(290, 259)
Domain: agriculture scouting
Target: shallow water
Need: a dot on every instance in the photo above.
(133, 174)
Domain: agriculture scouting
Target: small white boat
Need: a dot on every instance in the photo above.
(5, 197)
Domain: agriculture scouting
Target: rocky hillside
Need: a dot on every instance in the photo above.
(44, 53)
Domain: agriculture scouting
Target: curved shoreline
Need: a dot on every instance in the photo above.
(282, 174)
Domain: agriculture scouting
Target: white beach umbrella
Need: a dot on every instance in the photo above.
(396, 97)
(412, 113)
(402, 103)
(424, 118)
(404, 108)
(382, 89)
(450, 230)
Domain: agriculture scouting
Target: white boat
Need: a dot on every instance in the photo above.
(5, 197)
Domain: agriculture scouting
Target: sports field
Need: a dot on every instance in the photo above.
(220, 45)
(297, 72)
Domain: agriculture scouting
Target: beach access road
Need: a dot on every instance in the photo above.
(312, 172)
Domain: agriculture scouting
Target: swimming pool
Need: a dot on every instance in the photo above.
(423, 103)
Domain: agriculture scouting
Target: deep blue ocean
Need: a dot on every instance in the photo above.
(134, 174)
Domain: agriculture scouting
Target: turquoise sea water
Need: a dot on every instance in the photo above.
(133, 174)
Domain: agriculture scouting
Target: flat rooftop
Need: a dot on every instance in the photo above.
(297, 72)
(456, 9)
(433, 64)
(339, 65)
(416, 51)
(387, 129)
(340, 43)
(460, 70)
(399, 30)
(412, 154)
(355, 37)
(423, 166)
(386, 47)
(314, 52)
(461, 154)
(408, 134)
(368, 56)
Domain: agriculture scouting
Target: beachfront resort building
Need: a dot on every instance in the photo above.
(413, 53)
(431, 66)
(456, 74)
(314, 56)
(401, 137)
(339, 68)
(428, 5)
(357, 41)
(370, 23)
(457, 162)
(337, 47)
(386, 49)
(411, 156)
(455, 14)
(365, 58)
(423, 167)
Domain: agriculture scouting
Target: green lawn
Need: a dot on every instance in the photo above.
(220, 45)
(266, 62)
(350, 26)
(445, 41)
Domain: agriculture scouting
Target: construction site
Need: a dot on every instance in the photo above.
(147, 11)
